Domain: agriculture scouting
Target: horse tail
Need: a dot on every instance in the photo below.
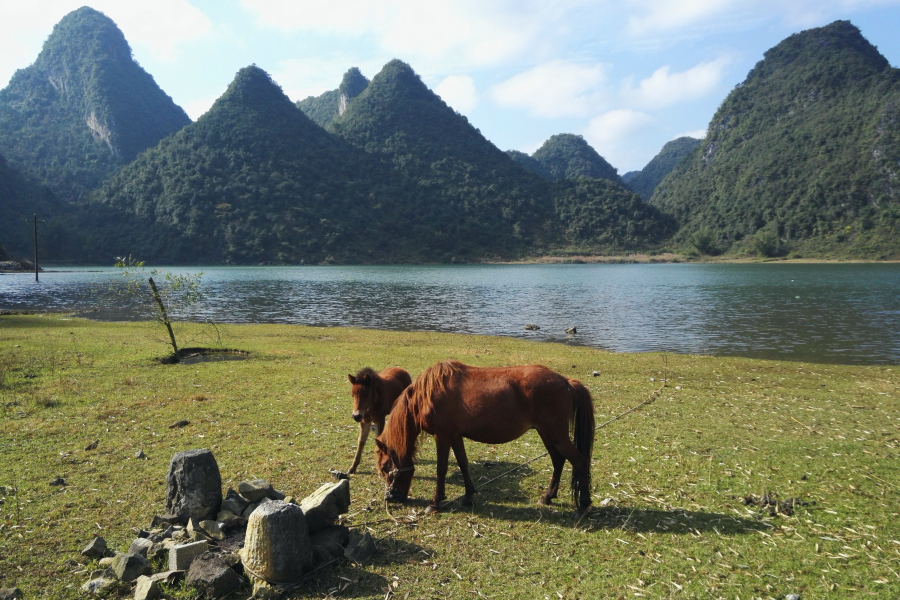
(583, 437)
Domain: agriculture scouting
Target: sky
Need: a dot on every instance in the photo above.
(628, 75)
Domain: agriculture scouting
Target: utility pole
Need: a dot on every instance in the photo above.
(36, 249)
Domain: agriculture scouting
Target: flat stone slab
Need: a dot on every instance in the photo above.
(140, 546)
(181, 556)
(255, 490)
(98, 586)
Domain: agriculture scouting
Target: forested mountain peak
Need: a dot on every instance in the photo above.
(252, 89)
(569, 156)
(85, 107)
(353, 84)
(803, 154)
(644, 182)
(835, 53)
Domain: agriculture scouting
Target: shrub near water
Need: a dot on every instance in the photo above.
(673, 476)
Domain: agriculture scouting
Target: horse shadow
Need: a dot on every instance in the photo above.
(494, 500)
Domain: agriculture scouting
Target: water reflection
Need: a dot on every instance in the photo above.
(822, 313)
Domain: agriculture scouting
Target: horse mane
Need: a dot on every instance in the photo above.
(368, 371)
(405, 426)
(433, 381)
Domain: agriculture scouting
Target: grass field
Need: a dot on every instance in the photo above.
(670, 519)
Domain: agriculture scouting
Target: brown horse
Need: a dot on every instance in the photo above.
(374, 395)
(452, 401)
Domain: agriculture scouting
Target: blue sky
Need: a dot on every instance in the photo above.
(628, 75)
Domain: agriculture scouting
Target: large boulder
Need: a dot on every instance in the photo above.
(193, 486)
(329, 543)
(326, 504)
(276, 546)
(212, 576)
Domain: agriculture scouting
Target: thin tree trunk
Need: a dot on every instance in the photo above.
(165, 315)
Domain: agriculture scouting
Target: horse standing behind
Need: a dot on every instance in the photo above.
(374, 395)
(452, 401)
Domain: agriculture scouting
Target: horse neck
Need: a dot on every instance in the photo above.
(402, 431)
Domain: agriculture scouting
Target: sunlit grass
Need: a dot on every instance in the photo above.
(669, 480)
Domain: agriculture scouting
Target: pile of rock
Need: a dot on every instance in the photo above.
(257, 533)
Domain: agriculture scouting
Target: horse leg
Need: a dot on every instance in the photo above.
(581, 472)
(364, 428)
(459, 450)
(443, 455)
(559, 462)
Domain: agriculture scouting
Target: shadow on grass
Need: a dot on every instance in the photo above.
(494, 501)
(360, 581)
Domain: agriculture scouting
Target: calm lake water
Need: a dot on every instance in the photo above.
(847, 313)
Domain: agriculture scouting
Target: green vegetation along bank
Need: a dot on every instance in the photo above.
(671, 486)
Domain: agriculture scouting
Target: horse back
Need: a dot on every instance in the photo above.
(392, 381)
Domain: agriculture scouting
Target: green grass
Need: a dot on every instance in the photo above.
(675, 472)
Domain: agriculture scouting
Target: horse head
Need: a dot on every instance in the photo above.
(397, 478)
(365, 396)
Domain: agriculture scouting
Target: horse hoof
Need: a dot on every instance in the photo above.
(431, 509)
(466, 501)
(581, 513)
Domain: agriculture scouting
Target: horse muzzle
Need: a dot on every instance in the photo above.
(357, 417)
(392, 495)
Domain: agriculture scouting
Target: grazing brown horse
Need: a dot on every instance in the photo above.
(374, 395)
(452, 401)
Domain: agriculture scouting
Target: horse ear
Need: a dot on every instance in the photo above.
(366, 379)
(352, 379)
(381, 446)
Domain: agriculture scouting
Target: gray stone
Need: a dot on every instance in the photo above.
(213, 529)
(106, 561)
(140, 455)
(140, 546)
(210, 574)
(234, 502)
(98, 586)
(276, 546)
(572, 330)
(167, 576)
(328, 543)
(263, 590)
(96, 549)
(180, 556)
(10, 593)
(129, 567)
(193, 485)
(532, 327)
(249, 510)
(792, 597)
(105, 572)
(360, 547)
(326, 504)
(162, 520)
(146, 589)
(255, 490)
(230, 519)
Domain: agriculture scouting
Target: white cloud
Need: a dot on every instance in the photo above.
(613, 134)
(197, 107)
(664, 88)
(459, 92)
(649, 16)
(439, 32)
(304, 77)
(555, 89)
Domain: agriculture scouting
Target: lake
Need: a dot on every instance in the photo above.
(832, 313)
